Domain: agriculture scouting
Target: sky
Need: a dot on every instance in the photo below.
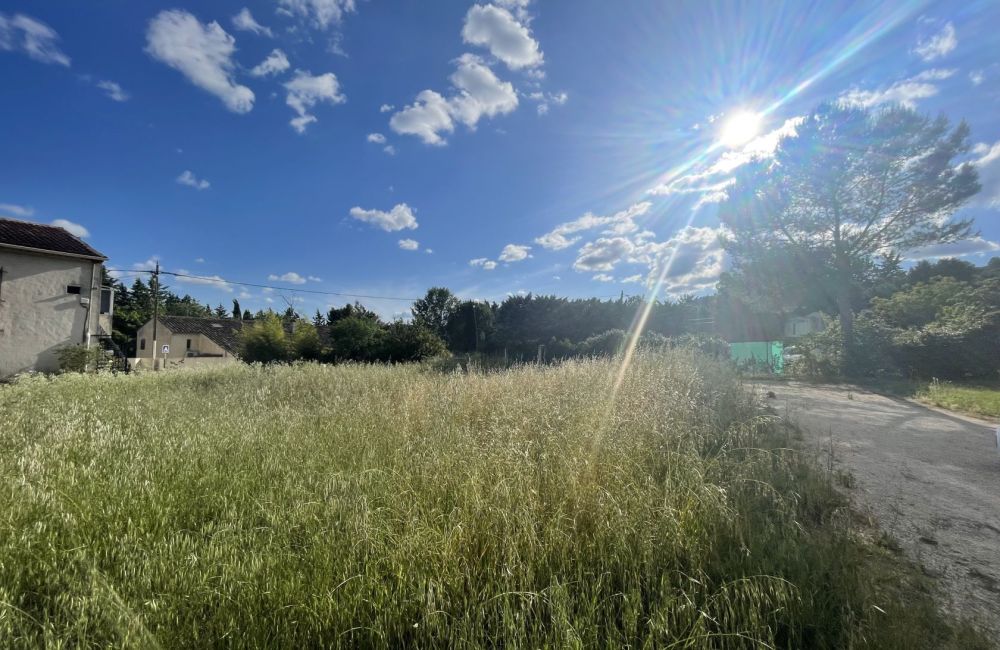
(379, 148)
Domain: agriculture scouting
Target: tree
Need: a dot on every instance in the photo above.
(409, 342)
(470, 326)
(247, 315)
(850, 187)
(318, 319)
(305, 342)
(434, 309)
(237, 312)
(264, 341)
(221, 312)
(355, 338)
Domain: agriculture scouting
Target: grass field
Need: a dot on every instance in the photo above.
(981, 400)
(325, 506)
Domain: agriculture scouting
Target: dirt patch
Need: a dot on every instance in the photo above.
(931, 480)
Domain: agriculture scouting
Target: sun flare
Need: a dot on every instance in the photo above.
(739, 128)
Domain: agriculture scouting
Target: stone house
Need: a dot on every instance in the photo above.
(187, 341)
(51, 296)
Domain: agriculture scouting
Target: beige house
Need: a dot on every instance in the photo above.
(50, 296)
(182, 341)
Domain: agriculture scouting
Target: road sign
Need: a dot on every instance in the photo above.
(166, 349)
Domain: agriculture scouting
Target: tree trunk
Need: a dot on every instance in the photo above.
(846, 325)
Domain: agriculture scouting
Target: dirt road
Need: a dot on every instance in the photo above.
(931, 479)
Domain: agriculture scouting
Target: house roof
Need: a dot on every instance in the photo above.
(42, 237)
(224, 332)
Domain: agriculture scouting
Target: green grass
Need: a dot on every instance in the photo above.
(321, 506)
(981, 400)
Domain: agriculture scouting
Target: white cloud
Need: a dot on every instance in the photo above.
(389, 150)
(14, 210)
(988, 166)
(113, 90)
(514, 253)
(500, 32)
(322, 13)
(207, 280)
(385, 108)
(72, 228)
(409, 244)
(712, 181)
(306, 90)
(377, 138)
(478, 93)
(690, 261)
(906, 92)
(291, 278)
(313, 278)
(634, 279)
(244, 21)
(620, 223)
(425, 118)
(972, 246)
(275, 63)
(937, 45)
(32, 37)
(484, 263)
(977, 77)
(188, 178)
(603, 254)
(202, 53)
(603, 277)
(399, 218)
(199, 260)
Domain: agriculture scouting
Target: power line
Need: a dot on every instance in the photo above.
(217, 280)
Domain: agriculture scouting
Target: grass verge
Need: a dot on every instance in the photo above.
(322, 506)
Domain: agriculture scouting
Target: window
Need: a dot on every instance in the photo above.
(189, 344)
(74, 289)
(142, 344)
(107, 299)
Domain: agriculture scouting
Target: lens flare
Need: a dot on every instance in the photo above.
(740, 128)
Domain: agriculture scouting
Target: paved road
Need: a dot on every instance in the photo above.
(931, 479)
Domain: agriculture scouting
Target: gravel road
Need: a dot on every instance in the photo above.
(930, 478)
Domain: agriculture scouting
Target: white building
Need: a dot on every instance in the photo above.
(187, 341)
(796, 326)
(50, 296)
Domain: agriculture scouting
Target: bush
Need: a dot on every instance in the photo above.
(78, 358)
(305, 343)
(409, 342)
(264, 341)
(355, 338)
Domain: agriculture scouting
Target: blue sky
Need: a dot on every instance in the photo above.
(379, 148)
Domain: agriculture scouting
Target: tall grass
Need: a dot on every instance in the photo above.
(321, 506)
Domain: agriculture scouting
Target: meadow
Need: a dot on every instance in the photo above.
(399, 506)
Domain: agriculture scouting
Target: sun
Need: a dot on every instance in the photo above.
(739, 128)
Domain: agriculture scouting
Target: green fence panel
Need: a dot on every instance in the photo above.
(759, 355)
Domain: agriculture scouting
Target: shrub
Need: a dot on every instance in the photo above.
(78, 358)
(355, 338)
(264, 341)
(409, 342)
(305, 342)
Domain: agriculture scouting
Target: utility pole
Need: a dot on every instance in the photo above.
(156, 308)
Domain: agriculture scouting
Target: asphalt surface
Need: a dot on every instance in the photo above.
(931, 479)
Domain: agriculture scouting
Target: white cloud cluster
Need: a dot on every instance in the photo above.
(478, 93)
(972, 246)
(603, 277)
(399, 218)
(545, 99)
(321, 13)
(113, 91)
(514, 253)
(376, 138)
(32, 37)
(689, 262)
(244, 21)
(906, 92)
(202, 53)
(496, 29)
(307, 90)
(603, 254)
(275, 63)
(14, 210)
(72, 228)
(188, 178)
(207, 280)
(291, 278)
(409, 244)
(937, 45)
(620, 223)
(484, 263)
(988, 166)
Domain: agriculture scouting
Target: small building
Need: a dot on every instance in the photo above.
(187, 341)
(51, 296)
(796, 326)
